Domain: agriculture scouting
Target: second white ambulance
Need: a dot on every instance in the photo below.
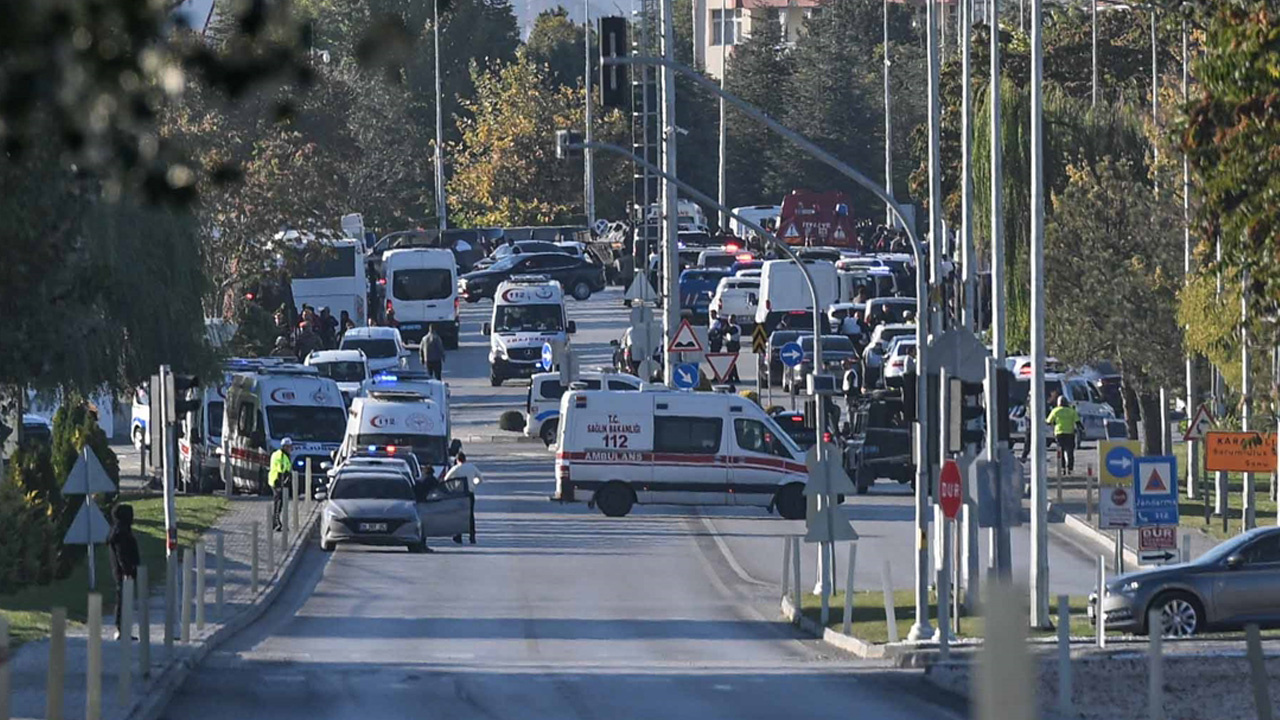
(528, 312)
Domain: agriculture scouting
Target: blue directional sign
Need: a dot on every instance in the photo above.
(548, 356)
(686, 376)
(1155, 485)
(1120, 461)
(791, 354)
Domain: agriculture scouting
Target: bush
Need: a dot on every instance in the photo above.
(29, 538)
(511, 421)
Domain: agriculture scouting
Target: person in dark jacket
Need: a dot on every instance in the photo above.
(124, 554)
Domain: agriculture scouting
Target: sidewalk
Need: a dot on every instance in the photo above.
(29, 665)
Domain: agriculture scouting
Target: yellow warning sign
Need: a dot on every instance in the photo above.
(1240, 452)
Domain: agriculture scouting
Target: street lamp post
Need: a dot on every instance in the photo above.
(1036, 426)
(1000, 546)
(588, 156)
(888, 124)
(724, 68)
(670, 228)
(442, 218)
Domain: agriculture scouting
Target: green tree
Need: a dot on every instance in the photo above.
(557, 42)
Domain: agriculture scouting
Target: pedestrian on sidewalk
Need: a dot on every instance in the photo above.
(1064, 419)
(432, 351)
(278, 477)
(124, 555)
(470, 476)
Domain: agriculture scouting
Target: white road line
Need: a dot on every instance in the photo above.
(728, 554)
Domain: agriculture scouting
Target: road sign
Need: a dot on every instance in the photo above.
(1158, 545)
(759, 340)
(1199, 424)
(686, 375)
(1240, 452)
(827, 525)
(87, 476)
(827, 477)
(791, 354)
(949, 496)
(961, 353)
(982, 477)
(1156, 487)
(548, 356)
(685, 339)
(722, 364)
(89, 525)
(1115, 483)
(640, 289)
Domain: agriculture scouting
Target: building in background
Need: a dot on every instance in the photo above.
(714, 27)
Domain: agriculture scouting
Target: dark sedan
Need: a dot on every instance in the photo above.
(506, 250)
(1232, 585)
(576, 275)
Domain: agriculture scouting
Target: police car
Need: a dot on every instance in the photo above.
(545, 390)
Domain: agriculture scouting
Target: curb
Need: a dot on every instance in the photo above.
(1087, 533)
(167, 681)
(903, 656)
(502, 439)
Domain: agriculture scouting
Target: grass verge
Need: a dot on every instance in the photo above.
(28, 609)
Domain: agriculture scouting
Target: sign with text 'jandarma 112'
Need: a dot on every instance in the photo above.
(1240, 452)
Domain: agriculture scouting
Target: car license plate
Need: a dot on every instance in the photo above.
(410, 326)
(373, 527)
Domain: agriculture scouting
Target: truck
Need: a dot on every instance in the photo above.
(811, 218)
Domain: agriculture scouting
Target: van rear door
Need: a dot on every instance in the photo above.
(688, 447)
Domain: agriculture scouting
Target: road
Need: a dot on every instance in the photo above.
(560, 612)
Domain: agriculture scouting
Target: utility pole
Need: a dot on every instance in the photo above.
(588, 155)
(968, 259)
(1039, 487)
(888, 123)
(1221, 488)
(921, 629)
(1193, 449)
(999, 540)
(724, 70)
(670, 231)
(442, 217)
(1155, 95)
(1249, 502)
(1093, 17)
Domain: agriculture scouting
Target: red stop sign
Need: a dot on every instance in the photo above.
(949, 489)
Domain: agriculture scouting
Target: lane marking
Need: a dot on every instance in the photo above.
(728, 554)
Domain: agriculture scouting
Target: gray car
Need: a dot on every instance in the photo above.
(1235, 583)
(371, 508)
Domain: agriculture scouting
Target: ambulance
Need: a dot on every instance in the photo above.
(398, 419)
(200, 431)
(542, 406)
(619, 449)
(267, 404)
(528, 312)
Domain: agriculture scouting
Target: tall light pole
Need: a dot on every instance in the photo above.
(442, 217)
(999, 545)
(1155, 94)
(1039, 487)
(969, 261)
(670, 229)
(1249, 502)
(921, 629)
(588, 155)
(888, 123)
(1193, 449)
(724, 70)
(1093, 17)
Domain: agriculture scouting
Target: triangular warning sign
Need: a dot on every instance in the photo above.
(1199, 425)
(839, 234)
(685, 340)
(791, 232)
(722, 364)
(1155, 483)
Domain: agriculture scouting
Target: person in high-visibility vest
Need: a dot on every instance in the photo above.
(1064, 419)
(278, 476)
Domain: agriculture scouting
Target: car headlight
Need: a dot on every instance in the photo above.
(333, 512)
(1126, 588)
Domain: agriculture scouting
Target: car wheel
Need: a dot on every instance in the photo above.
(1180, 613)
(615, 499)
(581, 290)
(790, 503)
(327, 545)
(548, 432)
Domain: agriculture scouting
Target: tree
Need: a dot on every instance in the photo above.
(557, 42)
(1113, 269)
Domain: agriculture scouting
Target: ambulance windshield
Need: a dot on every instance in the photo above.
(528, 318)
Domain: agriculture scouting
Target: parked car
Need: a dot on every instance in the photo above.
(900, 360)
(838, 354)
(696, 288)
(737, 297)
(522, 247)
(576, 275)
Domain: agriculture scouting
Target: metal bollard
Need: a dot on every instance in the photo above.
(310, 497)
(1155, 666)
(125, 674)
(4, 668)
(284, 531)
(1186, 547)
(786, 565)
(1003, 688)
(848, 589)
(57, 665)
(1100, 616)
(890, 611)
(218, 575)
(271, 552)
(170, 590)
(144, 622)
(1064, 656)
(1258, 672)
(93, 668)
(1088, 495)
(200, 584)
(797, 597)
(295, 504)
(185, 613)
(253, 558)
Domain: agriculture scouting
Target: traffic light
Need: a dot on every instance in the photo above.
(968, 415)
(615, 87)
(565, 142)
(1004, 380)
(177, 403)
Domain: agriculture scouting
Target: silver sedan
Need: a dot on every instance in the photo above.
(371, 508)
(1234, 584)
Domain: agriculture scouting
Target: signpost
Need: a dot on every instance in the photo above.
(1156, 487)
(685, 340)
(1199, 425)
(686, 376)
(759, 340)
(722, 364)
(89, 527)
(1158, 545)
(949, 493)
(1240, 451)
(548, 356)
(791, 354)
(1115, 484)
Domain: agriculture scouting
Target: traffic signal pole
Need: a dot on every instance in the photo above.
(670, 205)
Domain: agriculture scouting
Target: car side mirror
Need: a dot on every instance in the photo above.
(320, 493)
(1235, 561)
(485, 329)
(455, 447)
(572, 327)
(614, 343)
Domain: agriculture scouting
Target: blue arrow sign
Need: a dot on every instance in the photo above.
(1120, 462)
(791, 354)
(686, 376)
(548, 356)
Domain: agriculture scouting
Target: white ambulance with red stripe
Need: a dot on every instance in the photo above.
(618, 449)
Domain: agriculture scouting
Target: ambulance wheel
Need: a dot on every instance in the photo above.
(548, 432)
(615, 499)
(790, 502)
(581, 291)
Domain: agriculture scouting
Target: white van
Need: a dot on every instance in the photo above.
(413, 381)
(739, 297)
(542, 406)
(668, 447)
(755, 213)
(199, 466)
(348, 368)
(139, 416)
(397, 418)
(422, 288)
(783, 290)
(873, 282)
(269, 404)
(382, 346)
(528, 312)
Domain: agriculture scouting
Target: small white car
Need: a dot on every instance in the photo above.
(900, 360)
(383, 347)
(348, 368)
(736, 296)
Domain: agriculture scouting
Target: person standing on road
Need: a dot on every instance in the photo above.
(432, 351)
(715, 334)
(124, 556)
(1064, 419)
(278, 477)
(470, 476)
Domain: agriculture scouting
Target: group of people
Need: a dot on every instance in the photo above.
(312, 330)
